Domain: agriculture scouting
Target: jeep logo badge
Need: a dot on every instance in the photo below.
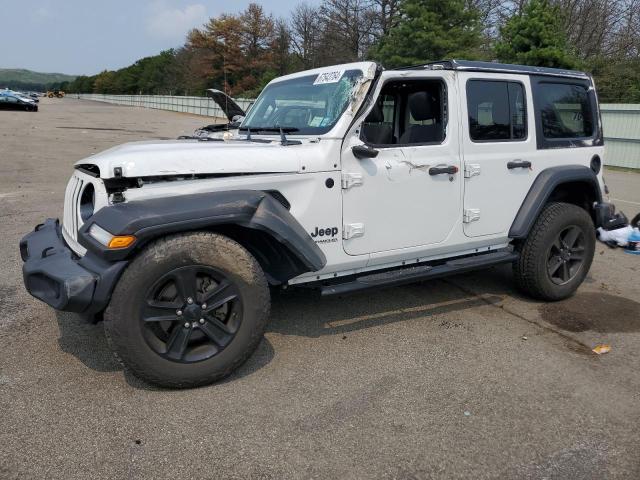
(328, 233)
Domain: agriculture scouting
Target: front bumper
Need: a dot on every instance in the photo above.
(54, 274)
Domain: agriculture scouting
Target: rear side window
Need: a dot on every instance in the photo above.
(497, 110)
(565, 111)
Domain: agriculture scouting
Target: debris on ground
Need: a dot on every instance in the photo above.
(633, 243)
(601, 349)
(616, 238)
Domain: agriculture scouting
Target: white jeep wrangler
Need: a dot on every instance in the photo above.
(344, 178)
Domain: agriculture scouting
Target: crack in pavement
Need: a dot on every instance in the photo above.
(543, 326)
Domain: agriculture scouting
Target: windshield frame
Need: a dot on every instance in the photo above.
(357, 75)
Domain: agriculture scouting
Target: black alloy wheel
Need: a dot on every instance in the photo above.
(191, 314)
(566, 255)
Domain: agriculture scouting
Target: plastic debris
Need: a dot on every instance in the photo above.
(615, 238)
(524, 337)
(601, 349)
(467, 413)
(633, 243)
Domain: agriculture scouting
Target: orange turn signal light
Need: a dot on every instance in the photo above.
(121, 241)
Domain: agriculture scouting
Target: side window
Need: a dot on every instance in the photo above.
(565, 111)
(408, 112)
(497, 110)
(378, 126)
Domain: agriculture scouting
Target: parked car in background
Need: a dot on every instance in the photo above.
(27, 96)
(11, 101)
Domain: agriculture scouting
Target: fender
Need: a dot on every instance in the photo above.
(542, 188)
(251, 209)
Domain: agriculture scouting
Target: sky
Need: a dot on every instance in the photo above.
(84, 37)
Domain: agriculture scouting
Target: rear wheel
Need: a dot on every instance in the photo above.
(188, 310)
(556, 256)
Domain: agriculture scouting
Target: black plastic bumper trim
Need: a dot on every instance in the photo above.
(607, 218)
(53, 273)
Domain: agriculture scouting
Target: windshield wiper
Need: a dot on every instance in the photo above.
(280, 130)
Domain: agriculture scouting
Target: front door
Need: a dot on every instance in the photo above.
(409, 195)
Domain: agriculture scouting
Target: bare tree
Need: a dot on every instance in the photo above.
(386, 13)
(305, 34)
(347, 29)
(598, 28)
(281, 47)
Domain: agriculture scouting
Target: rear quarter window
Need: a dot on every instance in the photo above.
(565, 111)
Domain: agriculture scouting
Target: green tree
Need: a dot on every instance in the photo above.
(104, 82)
(535, 37)
(617, 80)
(428, 30)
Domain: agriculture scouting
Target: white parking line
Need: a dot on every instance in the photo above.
(625, 201)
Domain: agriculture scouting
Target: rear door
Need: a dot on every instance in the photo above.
(499, 149)
(513, 128)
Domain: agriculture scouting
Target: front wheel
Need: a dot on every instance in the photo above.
(188, 311)
(556, 256)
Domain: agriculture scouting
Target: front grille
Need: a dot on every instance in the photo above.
(72, 220)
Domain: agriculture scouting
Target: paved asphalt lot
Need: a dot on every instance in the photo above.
(459, 378)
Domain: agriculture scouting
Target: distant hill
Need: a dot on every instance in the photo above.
(21, 79)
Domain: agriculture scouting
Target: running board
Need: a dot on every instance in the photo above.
(405, 275)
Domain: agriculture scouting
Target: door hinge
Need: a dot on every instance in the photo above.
(471, 215)
(471, 170)
(351, 180)
(351, 230)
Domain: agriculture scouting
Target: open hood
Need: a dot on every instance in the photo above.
(225, 102)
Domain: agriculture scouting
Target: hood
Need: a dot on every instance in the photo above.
(191, 157)
(225, 102)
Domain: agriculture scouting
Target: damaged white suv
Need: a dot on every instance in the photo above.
(344, 178)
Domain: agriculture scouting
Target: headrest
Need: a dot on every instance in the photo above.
(422, 106)
(375, 115)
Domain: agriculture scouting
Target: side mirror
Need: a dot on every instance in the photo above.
(364, 151)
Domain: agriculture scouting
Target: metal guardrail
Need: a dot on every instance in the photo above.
(621, 122)
(195, 105)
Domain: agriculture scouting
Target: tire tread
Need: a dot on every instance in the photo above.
(124, 348)
(527, 277)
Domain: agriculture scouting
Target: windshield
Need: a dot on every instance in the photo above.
(305, 105)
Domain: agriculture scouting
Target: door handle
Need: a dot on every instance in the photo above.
(445, 169)
(519, 164)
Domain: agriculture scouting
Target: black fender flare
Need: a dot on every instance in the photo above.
(157, 217)
(543, 186)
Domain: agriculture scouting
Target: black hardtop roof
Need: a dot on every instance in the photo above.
(474, 66)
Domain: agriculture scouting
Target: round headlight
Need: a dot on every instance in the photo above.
(87, 202)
